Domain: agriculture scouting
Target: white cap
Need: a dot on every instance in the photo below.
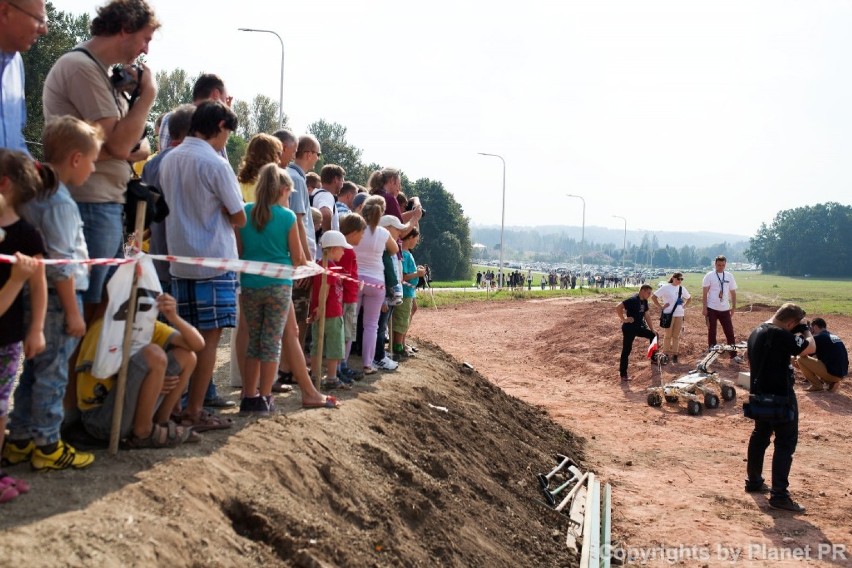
(333, 239)
(391, 221)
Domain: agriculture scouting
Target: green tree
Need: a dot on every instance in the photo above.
(65, 31)
(445, 245)
(174, 88)
(336, 149)
(807, 240)
(264, 115)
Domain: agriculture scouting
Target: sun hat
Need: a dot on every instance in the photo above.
(334, 239)
(391, 221)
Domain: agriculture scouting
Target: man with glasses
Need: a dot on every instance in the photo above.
(720, 303)
(21, 24)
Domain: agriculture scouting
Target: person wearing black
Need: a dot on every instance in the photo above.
(770, 348)
(829, 364)
(635, 322)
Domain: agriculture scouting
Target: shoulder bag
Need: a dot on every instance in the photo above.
(666, 318)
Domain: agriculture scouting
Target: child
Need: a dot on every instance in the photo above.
(157, 376)
(352, 226)
(20, 181)
(411, 274)
(333, 245)
(23, 268)
(71, 146)
(270, 235)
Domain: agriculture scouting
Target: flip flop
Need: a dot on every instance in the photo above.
(329, 402)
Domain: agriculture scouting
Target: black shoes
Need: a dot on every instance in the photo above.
(762, 488)
(785, 504)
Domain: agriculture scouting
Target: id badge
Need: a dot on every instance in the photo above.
(720, 295)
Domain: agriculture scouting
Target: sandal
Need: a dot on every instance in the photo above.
(329, 402)
(205, 421)
(168, 435)
(7, 493)
(20, 485)
(369, 371)
(286, 378)
(332, 384)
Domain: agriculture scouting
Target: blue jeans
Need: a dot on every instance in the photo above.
(38, 413)
(104, 232)
(382, 333)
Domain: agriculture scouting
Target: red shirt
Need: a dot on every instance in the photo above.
(349, 265)
(334, 302)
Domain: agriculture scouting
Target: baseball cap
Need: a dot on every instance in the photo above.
(359, 200)
(334, 239)
(391, 221)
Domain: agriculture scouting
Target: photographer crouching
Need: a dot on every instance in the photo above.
(772, 402)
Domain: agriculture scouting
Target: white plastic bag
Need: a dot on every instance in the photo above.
(108, 355)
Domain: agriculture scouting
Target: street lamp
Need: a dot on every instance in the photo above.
(281, 87)
(624, 248)
(503, 214)
(582, 240)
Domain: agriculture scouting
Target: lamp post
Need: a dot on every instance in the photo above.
(281, 86)
(582, 241)
(502, 215)
(624, 248)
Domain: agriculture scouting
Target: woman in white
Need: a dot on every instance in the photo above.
(669, 296)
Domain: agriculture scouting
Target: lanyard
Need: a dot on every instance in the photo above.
(721, 284)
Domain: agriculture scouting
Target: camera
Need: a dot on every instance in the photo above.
(411, 203)
(122, 80)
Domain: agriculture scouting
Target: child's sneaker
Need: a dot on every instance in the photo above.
(254, 406)
(386, 364)
(63, 457)
(12, 454)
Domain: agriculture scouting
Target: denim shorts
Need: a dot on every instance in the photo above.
(103, 228)
(207, 304)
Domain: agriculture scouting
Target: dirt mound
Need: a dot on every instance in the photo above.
(391, 479)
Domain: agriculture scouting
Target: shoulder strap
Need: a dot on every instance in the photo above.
(679, 292)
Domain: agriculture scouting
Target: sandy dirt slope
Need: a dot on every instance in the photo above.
(677, 479)
(387, 480)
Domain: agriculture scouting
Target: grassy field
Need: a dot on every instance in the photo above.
(816, 296)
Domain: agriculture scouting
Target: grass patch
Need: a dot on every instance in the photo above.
(818, 296)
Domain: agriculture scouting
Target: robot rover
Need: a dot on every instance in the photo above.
(698, 387)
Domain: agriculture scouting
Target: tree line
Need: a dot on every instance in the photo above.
(445, 244)
(814, 240)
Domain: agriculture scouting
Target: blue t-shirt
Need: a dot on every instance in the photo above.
(409, 266)
(269, 245)
(831, 351)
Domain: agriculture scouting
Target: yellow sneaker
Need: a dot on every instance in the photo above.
(13, 455)
(64, 457)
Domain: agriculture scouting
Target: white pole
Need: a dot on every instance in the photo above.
(503, 214)
(624, 247)
(582, 241)
(281, 86)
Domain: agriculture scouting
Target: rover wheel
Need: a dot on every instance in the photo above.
(729, 393)
(693, 408)
(654, 399)
(711, 400)
(671, 398)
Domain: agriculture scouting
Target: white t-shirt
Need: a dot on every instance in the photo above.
(721, 284)
(668, 295)
(369, 253)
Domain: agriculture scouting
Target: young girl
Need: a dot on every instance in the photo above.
(71, 146)
(262, 149)
(270, 235)
(411, 275)
(19, 182)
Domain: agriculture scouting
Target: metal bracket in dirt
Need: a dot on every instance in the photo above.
(573, 478)
(561, 462)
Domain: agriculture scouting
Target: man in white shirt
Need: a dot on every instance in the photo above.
(720, 303)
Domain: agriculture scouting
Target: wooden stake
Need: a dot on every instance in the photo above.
(318, 341)
(121, 381)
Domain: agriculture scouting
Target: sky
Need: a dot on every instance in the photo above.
(675, 115)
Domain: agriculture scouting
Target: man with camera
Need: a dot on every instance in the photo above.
(80, 84)
(829, 364)
(770, 348)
